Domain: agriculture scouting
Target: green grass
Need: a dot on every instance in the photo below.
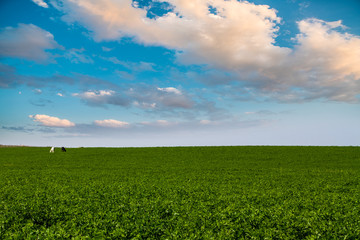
(180, 193)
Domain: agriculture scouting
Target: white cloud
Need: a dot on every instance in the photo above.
(321, 46)
(240, 34)
(94, 95)
(41, 3)
(170, 90)
(238, 38)
(325, 63)
(49, 121)
(111, 123)
(27, 41)
(60, 94)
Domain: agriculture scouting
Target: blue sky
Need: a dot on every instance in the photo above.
(179, 72)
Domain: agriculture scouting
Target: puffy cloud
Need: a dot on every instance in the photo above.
(237, 40)
(41, 3)
(321, 46)
(49, 121)
(111, 123)
(325, 63)
(27, 41)
(238, 34)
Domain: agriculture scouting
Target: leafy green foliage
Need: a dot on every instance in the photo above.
(180, 193)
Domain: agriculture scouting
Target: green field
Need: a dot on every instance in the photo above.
(180, 193)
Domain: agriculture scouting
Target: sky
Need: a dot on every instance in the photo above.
(122, 73)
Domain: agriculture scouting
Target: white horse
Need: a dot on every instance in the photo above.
(52, 150)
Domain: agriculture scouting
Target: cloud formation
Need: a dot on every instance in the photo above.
(236, 34)
(324, 64)
(111, 123)
(238, 40)
(49, 121)
(145, 97)
(27, 41)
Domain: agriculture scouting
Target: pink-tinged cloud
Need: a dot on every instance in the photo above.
(111, 123)
(239, 34)
(237, 37)
(49, 121)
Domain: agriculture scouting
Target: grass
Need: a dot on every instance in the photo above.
(180, 193)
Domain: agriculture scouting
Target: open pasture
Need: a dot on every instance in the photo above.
(180, 193)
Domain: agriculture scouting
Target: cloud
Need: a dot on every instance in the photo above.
(237, 41)
(170, 90)
(40, 102)
(49, 121)
(18, 129)
(7, 76)
(325, 63)
(237, 34)
(41, 3)
(27, 41)
(146, 97)
(332, 51)
(133, 66)
(102, 97)
(160, 127)
(161, 98)
(111, 123)
(76, 56)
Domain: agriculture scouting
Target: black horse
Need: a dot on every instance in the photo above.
(63, 149)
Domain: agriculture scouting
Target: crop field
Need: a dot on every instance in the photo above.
(180, 193)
